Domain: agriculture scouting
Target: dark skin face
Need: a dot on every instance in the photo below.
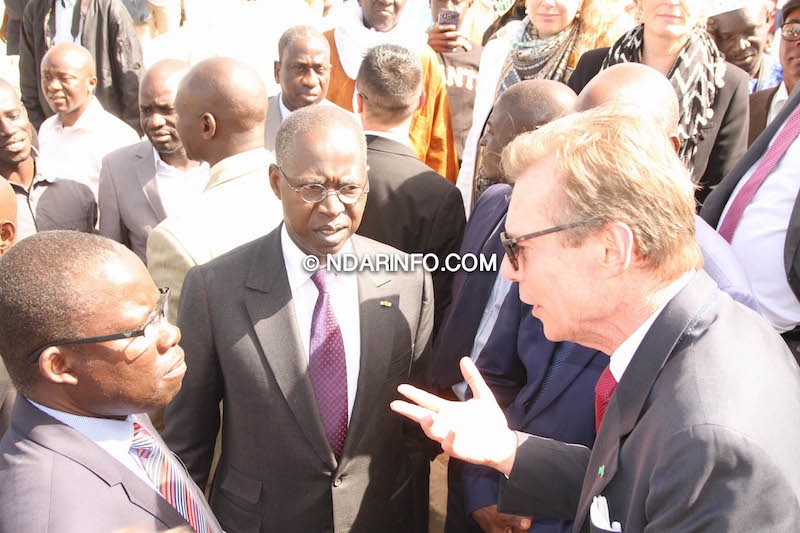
(503, 125)
(304, 72)
(790, 55)
(157, 113)
(67, 82)
(741, 36)
(15, 130)
(381, 15)
(333, 158)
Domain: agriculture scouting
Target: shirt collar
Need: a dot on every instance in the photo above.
(88, 119)
(293, 258)
(623, 355)
(391, 135)
(285, 112)
(160, 163)
(238, 165)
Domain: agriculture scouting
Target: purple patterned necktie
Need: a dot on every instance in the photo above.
(602, 395)
(328, 368)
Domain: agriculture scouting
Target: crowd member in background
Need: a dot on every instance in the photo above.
(222, 108)
(84, 338)
(105, 28)
(459, 59)
(139, 10)
(740, 29)
(141, 184)
(410, 207)
(74, 141)
(43, 203)
(765, 105)
(713, 94)
(11, 27)
(8, 235)
(303, 71)
(505, 11)
(367, 23)
(547, 44)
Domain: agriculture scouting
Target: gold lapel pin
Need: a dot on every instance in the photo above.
(385, 303)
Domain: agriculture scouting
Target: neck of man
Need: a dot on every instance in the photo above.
(178, 160)
(660, 52)
(21, 173)
(397, 130)
(58, 403)
(235, 145)
(69, 119)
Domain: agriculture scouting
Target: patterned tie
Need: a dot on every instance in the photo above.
(602, 395)
(171, 481)
(782, 143)
(328, 368)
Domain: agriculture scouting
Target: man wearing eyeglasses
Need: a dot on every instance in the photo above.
(85, 341)
(306, 359)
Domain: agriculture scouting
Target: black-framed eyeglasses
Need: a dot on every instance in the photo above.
(511, 245)
(791, 31)
(149, 329)
(314, 193)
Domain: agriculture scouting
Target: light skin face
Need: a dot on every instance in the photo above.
(333, 158)
(157, 113)
(115, 378)
(741, 36)
(304, 72)
(790, 55)
(670, 19)
(68, 83)
(551, 16)
(381, 15)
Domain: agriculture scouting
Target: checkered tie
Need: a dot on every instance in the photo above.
(328, 368)
(782, 143)
(171, 481)
(602, 395)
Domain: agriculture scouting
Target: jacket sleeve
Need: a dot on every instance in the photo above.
(29, 67)
(127, 63)
(111, 225)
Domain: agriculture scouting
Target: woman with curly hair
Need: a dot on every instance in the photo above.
(712, 93)
(546, 44)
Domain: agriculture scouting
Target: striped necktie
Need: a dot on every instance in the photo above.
(171, 481)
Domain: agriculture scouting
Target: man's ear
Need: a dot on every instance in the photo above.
(274, 179)
(277, 71)
(423, 97)
(209, 125)
(617, 238)
(8, 235)
(56, 366)
(92, 84)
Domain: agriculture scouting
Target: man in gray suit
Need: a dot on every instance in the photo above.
(306, 360)
(697, 412)
(84, 338)
(141, 184)
(303, 71)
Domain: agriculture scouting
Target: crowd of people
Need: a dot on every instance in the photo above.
(180, 350)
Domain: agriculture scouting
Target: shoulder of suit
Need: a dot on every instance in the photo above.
(764, 97)
(131, 152)
(734, 76)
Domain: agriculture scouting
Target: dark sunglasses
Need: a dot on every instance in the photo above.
(511, 245)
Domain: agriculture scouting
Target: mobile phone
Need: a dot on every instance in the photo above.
(448, 16)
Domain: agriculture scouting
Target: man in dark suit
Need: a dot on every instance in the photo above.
(410, 207)
(139, 182)
(84, 338)
(692, 429)
(306, 360)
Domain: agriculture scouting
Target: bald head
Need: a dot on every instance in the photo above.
(8, 216)
(68, 80)
(74, 53)
(222, 109)
(638, 85)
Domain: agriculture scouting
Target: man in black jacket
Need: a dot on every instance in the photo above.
(105, 28)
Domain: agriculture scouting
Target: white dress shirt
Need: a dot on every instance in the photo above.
(780, 97)
(760, 238)
(177, 188)
(64, 14)
(113, 436)
(622, 356)
(343, 296)
(285, 112)
(76, 152)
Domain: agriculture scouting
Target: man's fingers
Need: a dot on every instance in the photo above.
(473, 378)
(422, 398)
(414, 412)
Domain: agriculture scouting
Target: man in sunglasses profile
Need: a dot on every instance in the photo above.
(85, 341)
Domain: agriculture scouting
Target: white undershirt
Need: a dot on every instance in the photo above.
(285, 112)
(64, 16)
(176, 188)
(343, 291)
(780, 97)
(760, 237)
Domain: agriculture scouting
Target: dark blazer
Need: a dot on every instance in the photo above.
(715, 204)
(55, 480)
(414, 209)
(724, 139)
(128, 198)
(759, 110)
(277, 471)
(698, 435)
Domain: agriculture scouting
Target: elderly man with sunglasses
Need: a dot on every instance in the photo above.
(85, 340)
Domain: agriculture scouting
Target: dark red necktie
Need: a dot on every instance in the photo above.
(602, 395)
(328, 368)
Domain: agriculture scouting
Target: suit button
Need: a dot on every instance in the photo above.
(337, 481)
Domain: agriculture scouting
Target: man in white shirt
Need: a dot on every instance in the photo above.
(74, 141)
(141, 184)
(85, 341)
(696, 412)
(303, 70)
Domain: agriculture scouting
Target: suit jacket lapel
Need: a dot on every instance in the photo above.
(269, 304)
(146, 172)
(52, 434)
(628, 400)
(572, 366)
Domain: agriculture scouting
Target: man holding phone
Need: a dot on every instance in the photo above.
(459, 59)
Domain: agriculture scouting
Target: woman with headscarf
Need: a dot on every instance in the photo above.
(546, 44)
(713, 94)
